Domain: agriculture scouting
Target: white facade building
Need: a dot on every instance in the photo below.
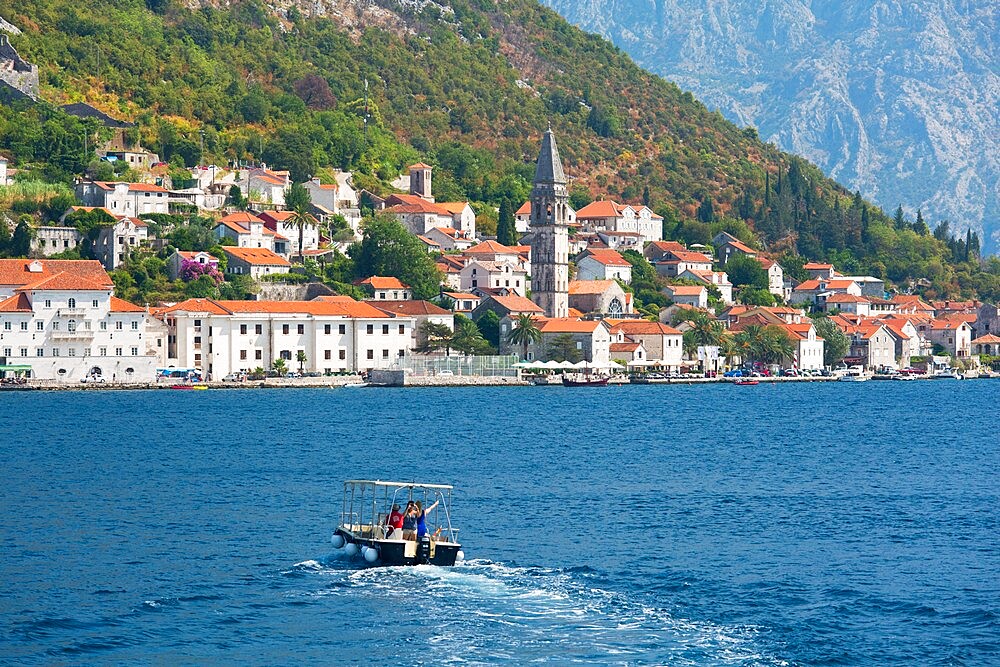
(60, 318)
(336, 333)
(130, 199)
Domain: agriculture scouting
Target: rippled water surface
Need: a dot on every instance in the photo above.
(834, 524)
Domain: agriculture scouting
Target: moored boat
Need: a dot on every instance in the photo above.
(746, 381)
(854, 377)
(580, 380)
(365, 528)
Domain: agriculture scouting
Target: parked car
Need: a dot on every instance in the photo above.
(445, 374)
(235, 377)
(735, 373)
(100, 379)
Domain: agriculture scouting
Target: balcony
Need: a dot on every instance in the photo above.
(71, 312)
(71, 335)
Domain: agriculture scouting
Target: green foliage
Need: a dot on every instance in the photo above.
(279, 367)
(293, 93)
(563, 348)
(524, 333)
(506, 231)
(388, 249)
(489, 326)
(745, 271)
(756, 296)
(835, 342)
(468, 339)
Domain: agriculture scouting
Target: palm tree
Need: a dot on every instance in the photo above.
(728, 348)
(279, 367)
(748, 342)
(300, 218)
(524, 333)
(468, 339)
(775, 344)
(436, 336)
(300, 357)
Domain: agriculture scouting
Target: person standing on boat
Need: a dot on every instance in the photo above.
(409, 524)
(422, 518)
(395, 523)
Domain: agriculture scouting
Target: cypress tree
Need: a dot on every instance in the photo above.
(506, 229)
(897, 220)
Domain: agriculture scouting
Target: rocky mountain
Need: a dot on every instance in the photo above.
(899, 100)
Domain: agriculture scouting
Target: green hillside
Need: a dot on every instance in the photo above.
(468, 85)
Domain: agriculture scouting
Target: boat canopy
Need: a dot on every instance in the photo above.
(398, 485)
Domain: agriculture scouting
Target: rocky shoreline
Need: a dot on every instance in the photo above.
(409, 381)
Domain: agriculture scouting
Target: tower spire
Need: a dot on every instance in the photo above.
(549, 168)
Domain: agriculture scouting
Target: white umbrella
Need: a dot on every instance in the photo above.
(583, 364)
(566, 364)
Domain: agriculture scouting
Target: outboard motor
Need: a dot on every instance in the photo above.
(424, 551)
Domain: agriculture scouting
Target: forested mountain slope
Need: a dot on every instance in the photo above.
(468, 85)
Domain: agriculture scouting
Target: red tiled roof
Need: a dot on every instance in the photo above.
(606, 257)
(988, 339)
(568, 325)
(813, 284)
(256, 256)
(66, 281)
(599, 209)
(589, 286)
(18, 303)
(137, 187)
(742, 247)
(624, 347)
(686, 290)
(343, 306)
(420, 165)
(414, 307)
(15, 273)
(123, 306)
(516, 303)
(491, 248)
(383, 282)
(816, 265)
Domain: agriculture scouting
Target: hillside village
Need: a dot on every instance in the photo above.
(568, 292)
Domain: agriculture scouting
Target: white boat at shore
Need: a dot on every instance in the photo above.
(854, 377)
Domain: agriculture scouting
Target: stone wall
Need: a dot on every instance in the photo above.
(280, 292)
(18, 78)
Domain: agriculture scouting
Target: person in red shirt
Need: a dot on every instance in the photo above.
(395, 521)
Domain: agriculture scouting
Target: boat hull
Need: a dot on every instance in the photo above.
(406, 552)
(599, 382)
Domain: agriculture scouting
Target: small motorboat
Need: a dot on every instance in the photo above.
(582, 380)
(364, 527)
(354, 385)
(854, 377)
(743, 381)
(189, 386)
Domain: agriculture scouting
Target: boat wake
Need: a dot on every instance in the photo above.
(483, 611)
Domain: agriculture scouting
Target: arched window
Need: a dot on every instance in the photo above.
(72, 324)
(72, 303)
(615, 307)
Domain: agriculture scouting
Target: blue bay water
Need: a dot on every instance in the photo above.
(834, 524)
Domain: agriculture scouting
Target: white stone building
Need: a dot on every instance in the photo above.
(492, 275)
(60, 317)
(608, 216)
(603, 264)
(128, 199)
(336, 333)
(254, 262)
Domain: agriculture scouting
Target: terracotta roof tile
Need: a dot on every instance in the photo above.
(256, 256)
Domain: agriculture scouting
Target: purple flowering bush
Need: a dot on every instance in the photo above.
(192, 270)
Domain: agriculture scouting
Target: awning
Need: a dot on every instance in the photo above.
(15, 367)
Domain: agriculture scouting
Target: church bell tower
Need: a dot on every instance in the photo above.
(550, 227)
